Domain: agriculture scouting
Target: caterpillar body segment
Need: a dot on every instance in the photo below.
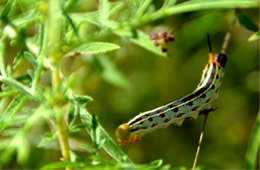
(177, 111)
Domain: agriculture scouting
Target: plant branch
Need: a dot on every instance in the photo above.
(109, 146)
(200, 141)
(228, 34)
(62, 134)
(2, 58)
(254, 145)
(54, 26)
(18, 85)
(40, 58)
(191, 6)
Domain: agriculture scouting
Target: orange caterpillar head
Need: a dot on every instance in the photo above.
(124, 135)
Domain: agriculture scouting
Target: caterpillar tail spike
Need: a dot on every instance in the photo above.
(177, 111)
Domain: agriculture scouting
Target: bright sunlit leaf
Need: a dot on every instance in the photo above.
(255, 36)
(94, 48)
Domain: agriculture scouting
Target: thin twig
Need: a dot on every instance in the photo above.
(228, 34)
(2, 57)
(191, 6)
(40, 58)
(200, 141)
(12, 82)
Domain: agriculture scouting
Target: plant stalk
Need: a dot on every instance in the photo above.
(2, 58)
(40, 59)
(191, 6)
(200, 141)
(54, 27)
(63, 137)
(18, 85)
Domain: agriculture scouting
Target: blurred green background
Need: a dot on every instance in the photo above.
(138, 80)
(154, 81)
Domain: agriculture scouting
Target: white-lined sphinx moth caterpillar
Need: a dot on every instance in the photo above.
(177, 111)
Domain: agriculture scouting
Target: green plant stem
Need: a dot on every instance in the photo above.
(61, 126)
(109, 146)
(54, 26)
(2, 58)
(8, 115)
(62, 134)
(18, 85)
(253, 147)
(9, 93)
(40, 59)
(196, 6)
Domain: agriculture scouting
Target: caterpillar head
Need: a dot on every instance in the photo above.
(124, 136)
(221, 59)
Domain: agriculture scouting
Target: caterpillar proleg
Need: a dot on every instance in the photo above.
(177, 111)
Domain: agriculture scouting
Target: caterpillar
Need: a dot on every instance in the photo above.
(177, 111)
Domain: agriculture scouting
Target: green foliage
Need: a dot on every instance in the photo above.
(247, 22)
(38, 39)
(254, 36)
(254, 145)
(94, 48)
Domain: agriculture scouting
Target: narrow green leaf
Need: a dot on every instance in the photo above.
(246, 21)
(156, 163)
(78, 157)
(141, 39)
(90, 17)
(41, 53)
(59, 165)
(22, 149)
(69, 19)
(109, 146)
(18, 59)
(168, 3)
(95, 134)
(73, 113)
(46, 140)
(115, 7)
(8, 93)
(7, 154)
(33, 44)
(254, 145)
(9, 132)
(2, 58)
(75, 102)
(100, 160)
(76, 128)
(190, 6)
(83, 99)
(143, 7)
(11, 110)
(41, 113)
(94, 48)
(29, 56)
(101, 144)
(17, 85)
(87, 148)
(255, 36)
(152, 165)
(96, 17)
(7, 10)
(103, 9)
(15, 120)
(31, 17)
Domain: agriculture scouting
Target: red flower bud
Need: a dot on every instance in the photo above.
(153, 36)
